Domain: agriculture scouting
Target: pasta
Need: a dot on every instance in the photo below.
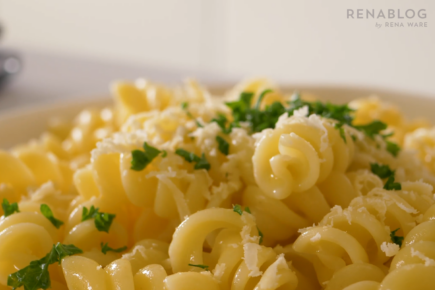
(173, 188)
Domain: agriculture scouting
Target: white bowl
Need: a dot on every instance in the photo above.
(21, 125)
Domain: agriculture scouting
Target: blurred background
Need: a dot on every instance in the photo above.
(74, 49)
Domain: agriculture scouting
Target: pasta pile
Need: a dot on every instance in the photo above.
(173, 188)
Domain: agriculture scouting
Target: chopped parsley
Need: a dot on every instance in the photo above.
(396, 239)
(384, 171)
(141, 159)
(224, 146)
(261, 236)
(205, 267)
(105, 248)
(221, 120)
(9, 208)
(36, 275)
(238, 209)
(339, 127)
(46, 211)
(393, 148)
(201, 162)
(373, 128)
(261, 97)
(257, 119)
(391, 185)
(185, 106)
(164, 153)
(102, 220)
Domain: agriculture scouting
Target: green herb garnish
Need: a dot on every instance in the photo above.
(391, 185)
(224, 146)
(261, 236)
(373, 128)
(164, 153)
(102, 220)
(105, 248)
(257, 119)
(384, 171)
(141, 159)
(9, 208)
(221, 120)
(339, 127)
(201, 162)
(46, 211)
(238, 209)
(396, 239)
(393, 148)
(261, 97)
(36, 275)
(204, 267)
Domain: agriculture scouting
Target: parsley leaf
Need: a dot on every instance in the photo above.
(46, 211)
(393, 148)
(261, 236)
(258, 120)
(105, 248)
(396, 239)
(339, 127)
(383, 171)
(9, 208)
(184, 105)
(221, 120)
(391, 185)
(341, 113)
(201, 162)
(102, 220)
(36, 275)
(141, 159)
(65, 250)
(89, 214)
(373, 128)
(188, 156)
(238, 209)
(224, 146)
(261, 97)
(205, 267)
(164, 153)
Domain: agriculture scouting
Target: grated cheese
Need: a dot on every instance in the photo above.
(390, 249)
(251, 258)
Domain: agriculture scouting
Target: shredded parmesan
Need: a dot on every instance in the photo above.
(390, 249)
(316, 237)
(427, 261)
(140, 249)
(219, 271)
(251, 258)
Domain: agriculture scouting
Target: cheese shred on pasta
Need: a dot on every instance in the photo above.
(173, 188)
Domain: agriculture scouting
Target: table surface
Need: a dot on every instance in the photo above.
(51, 78)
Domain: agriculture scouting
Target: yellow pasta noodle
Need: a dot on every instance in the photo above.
(173, 188)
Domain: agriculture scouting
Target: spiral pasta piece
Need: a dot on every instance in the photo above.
(173, 189)
(298, 154)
